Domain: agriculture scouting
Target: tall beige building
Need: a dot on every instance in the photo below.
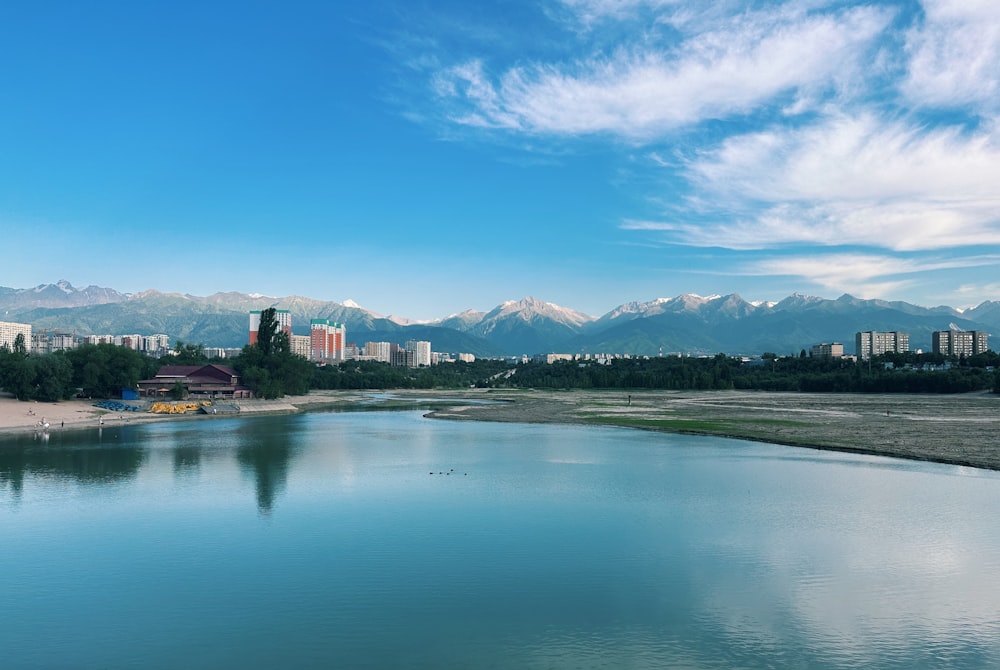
(827, 350)
(378, 351)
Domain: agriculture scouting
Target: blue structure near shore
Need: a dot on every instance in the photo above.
(116, 406)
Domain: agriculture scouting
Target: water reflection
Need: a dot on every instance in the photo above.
(96, 465)
(563, 547)
(264, 453)
(186, 459)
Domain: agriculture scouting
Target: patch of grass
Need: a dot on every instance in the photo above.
(695, 425)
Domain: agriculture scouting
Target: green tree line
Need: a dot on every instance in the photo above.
(272, 371)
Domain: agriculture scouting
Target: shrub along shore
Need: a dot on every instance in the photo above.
(959, 429)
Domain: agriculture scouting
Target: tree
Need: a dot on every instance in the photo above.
(269, 368)
(53, 377)
(188, 354)
(20, 346)
(177, 391)
(267, 332)
(103, 370)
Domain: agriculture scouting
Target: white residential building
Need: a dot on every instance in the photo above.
(421, 352)
(874, 343)
(9, 332)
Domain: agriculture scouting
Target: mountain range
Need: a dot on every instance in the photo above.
(686, 324)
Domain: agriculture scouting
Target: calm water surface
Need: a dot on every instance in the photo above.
(381, 540)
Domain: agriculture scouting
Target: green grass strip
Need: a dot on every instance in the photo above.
(694, 425)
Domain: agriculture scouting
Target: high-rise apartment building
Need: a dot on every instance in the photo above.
(378, 351)
(283, 316)
(326, 340)
(421, 352)
(9, 332)
(959, 342)
(299, 345)
(402, 358)
(874, 343)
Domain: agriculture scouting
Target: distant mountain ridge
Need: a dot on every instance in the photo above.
(688, 323)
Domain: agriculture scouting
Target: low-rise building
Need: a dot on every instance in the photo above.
(200, 381)
(827, 350)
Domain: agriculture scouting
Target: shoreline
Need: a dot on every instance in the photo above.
(961, 429)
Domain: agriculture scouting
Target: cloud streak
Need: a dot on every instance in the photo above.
(640, 92)
(860, 274)
(954, 56)
(851, 180)
(777, 130)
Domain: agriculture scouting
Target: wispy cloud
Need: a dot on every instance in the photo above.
(774, 128)
(954, 55)
(852, 180)
(640, 91)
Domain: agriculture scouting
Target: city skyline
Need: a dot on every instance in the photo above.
(421, 161)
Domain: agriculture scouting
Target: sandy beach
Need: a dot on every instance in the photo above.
(957, 429)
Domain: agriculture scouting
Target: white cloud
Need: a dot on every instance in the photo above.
(639, 92)
(862, 274)
(955, 54)
(850, 180)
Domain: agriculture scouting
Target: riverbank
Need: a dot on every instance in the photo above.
(961, 429)
(957, 429)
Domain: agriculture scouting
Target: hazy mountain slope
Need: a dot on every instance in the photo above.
(54, 296)
(986, 313)
(687, 323)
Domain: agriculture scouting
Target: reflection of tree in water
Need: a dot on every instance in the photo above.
(187, 459)
(12, 467)
(265, 453)
(84, 465)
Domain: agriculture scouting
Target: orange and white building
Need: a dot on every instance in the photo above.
(326, 340)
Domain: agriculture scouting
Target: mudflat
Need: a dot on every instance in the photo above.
(961, 429)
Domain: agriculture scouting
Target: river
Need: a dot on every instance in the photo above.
(384, 540)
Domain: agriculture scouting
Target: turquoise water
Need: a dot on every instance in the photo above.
(383, 539)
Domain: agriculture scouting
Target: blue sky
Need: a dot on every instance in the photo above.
(422, 158)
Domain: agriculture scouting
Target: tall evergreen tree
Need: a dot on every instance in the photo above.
(267, 330)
